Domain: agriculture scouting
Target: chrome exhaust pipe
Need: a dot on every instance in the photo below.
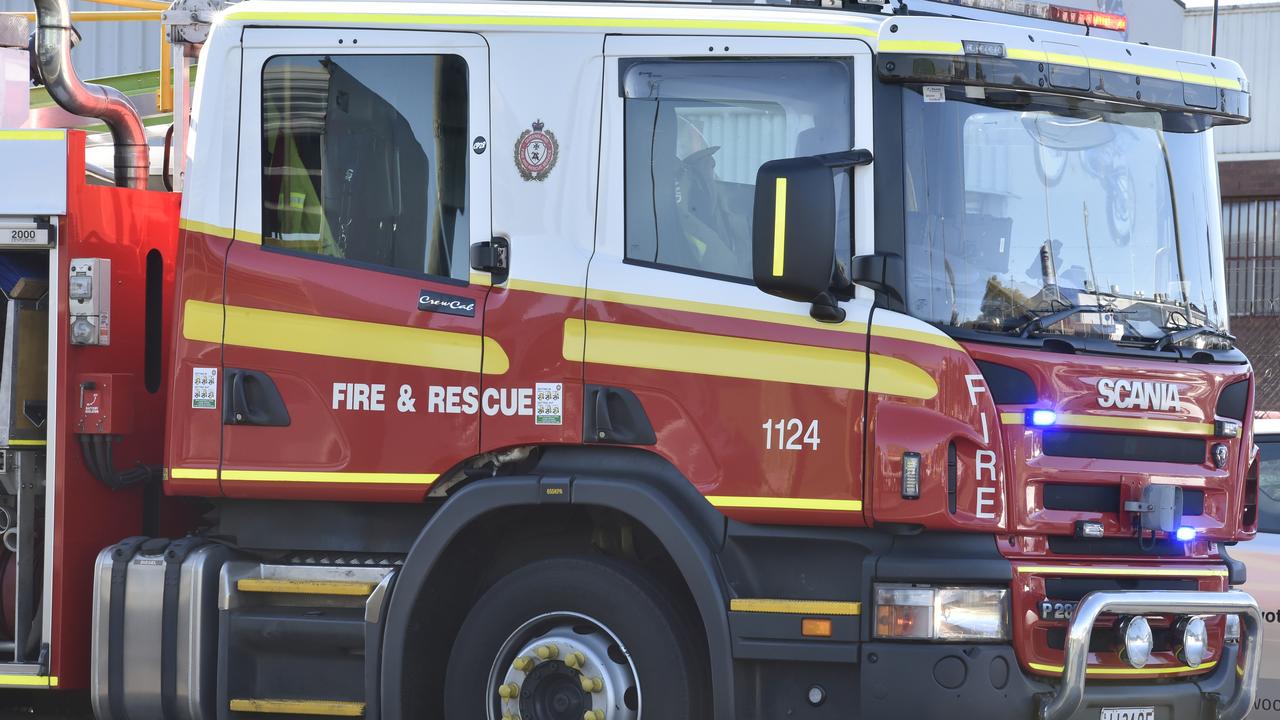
(53, 56)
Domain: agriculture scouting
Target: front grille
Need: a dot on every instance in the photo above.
(1074, 589)
(1123, 446)
(1105, 641)
(1064, 545)
(1106, 498)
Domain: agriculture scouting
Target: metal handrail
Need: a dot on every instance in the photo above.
(1070, 695)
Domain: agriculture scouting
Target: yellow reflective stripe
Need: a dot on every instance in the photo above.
(366, 18)
(930, 47)
(325, 708)
(220, 231)
(353, 588)
(702, 308)
(779, 225)
(781, 503)
(1129, 671)
(1161, 73)
(1125, 572)
(795, 607)
(342, 338)
(1107, 422)
(28, 681)
(28, 443)
(746, 359)
(33, 134)
(308, 476)
(194, 473)
(943, 47)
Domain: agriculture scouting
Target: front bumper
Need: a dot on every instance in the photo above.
(910, 680)
(1070, 695)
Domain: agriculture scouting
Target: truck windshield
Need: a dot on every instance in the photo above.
(1029, 214)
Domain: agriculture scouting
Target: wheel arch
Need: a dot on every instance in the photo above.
(634, 483)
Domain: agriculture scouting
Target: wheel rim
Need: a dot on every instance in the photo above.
(563, 666)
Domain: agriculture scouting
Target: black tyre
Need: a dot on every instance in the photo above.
(572, 638)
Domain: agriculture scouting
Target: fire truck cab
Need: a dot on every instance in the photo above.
(545, 361)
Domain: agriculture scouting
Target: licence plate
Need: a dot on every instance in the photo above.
(1128, 714)
(1056, 609)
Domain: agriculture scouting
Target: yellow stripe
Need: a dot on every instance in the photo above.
(764, 26)
(327, 708)
(779, 225)
(32, 134)
(220, 231)
(194, 473)
(780, 503)
(746, 359)
(1125, 572)
(28, 681)
(1128, 671)
(306, 476)
(929, 47)
(942, 47)
(340, 338)
(721, 311)
(795, 607)
(28, 443)
(305, 587)
(1106, 422)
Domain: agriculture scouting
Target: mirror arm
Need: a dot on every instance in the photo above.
(827, 309)
(846, 158)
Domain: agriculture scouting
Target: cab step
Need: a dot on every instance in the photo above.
(314, 708)
(297, 641)
(284, 586)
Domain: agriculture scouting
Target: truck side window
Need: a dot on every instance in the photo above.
(1269, 486)
(696, 134)
(364, 159)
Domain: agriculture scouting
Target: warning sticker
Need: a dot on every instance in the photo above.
(935, 93)
(549, 404)
(204, 389)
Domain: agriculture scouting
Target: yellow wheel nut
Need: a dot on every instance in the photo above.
(592, 684)
(596, 714)
(576, 660)
(523, 664)
(509, 691)
(509, 716)
(547, 652)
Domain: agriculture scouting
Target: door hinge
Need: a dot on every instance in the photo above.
(492, 256)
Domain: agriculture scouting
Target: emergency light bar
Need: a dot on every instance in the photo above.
(1047, 11)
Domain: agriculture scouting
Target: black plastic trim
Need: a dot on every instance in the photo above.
(636, 483)
(1233, 401)
(944, 557)
(1092, 444)
(1237, 571)
(250, 397)
(1008, 386)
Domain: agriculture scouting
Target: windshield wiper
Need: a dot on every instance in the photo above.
(1175, 337)
(1043, 321)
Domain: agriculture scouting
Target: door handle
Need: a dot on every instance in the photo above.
(253, 399)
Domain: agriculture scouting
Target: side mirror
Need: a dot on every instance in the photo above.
(882, 272)
(793, 250)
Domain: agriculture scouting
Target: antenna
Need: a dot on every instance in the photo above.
(1213, 40)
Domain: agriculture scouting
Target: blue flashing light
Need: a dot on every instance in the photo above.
(1186, 534)
(1041, 418)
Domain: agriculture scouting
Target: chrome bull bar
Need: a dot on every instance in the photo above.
(1070, 695)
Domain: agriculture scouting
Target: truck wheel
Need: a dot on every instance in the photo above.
(572, 638)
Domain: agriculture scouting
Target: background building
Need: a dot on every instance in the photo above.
(1249, 168)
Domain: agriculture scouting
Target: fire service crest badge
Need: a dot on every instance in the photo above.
(536, 152)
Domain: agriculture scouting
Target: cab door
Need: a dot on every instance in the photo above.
(754, 401)
(352, 328)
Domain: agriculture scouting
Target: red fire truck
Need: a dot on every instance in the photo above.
(550, 361)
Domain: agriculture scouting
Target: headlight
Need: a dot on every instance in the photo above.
(954, 614)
